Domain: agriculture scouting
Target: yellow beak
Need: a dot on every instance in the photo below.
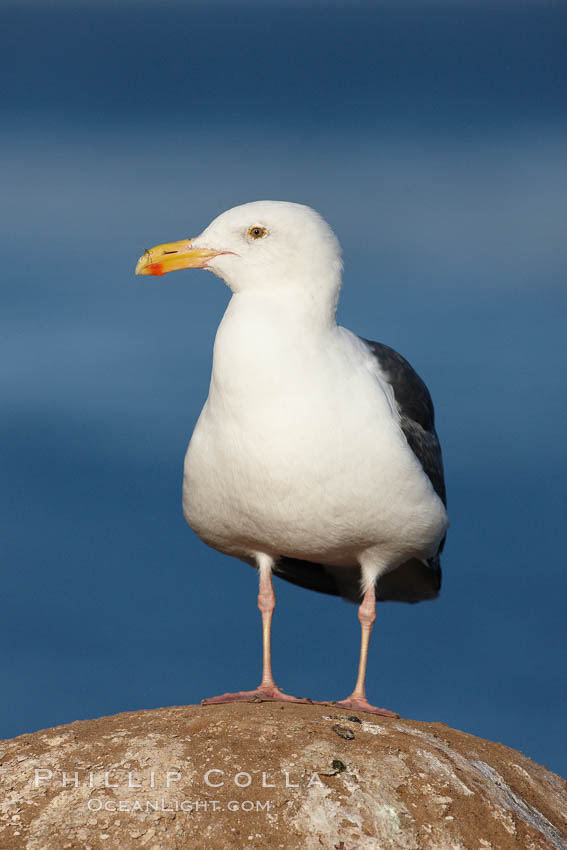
(172, 256)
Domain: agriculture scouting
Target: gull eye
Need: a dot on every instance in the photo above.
(257, 232)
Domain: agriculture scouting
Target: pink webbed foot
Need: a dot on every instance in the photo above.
(362, 704)
(266, 693)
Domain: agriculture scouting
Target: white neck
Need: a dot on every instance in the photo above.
(266, 338)
(306, 298)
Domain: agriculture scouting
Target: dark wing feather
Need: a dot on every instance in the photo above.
(414, 580)
(338, 581)
(416, 412)
(417, 420)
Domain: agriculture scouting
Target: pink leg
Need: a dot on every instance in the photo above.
(357, 700)
(267, 689)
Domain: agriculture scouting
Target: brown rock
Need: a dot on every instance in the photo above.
(269, 775)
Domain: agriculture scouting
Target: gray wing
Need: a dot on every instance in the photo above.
(416, 412)
(414, 580)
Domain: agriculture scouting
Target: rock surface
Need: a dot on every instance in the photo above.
(269, 775)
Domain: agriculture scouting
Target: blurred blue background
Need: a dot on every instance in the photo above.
(433, 138)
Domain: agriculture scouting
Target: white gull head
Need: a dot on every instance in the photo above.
(277, 250)
(272, 243)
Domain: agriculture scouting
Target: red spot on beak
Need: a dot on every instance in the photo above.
(155, 269)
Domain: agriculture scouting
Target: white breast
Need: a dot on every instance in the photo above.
(298, 450)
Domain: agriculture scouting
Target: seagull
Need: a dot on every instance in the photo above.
(315, 457)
